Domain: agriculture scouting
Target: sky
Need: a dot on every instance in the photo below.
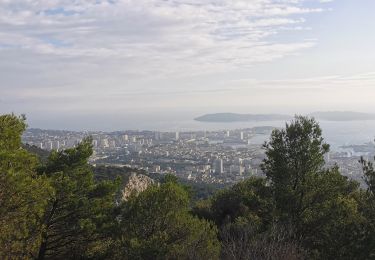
(62, 61)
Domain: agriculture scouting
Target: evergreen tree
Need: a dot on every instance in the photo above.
(294, 156)
(249, 201)
(80, 210)
(22, 193)
(367, 207)
(156, 224)
(320, 203)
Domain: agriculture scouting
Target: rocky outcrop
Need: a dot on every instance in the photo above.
(136, 184)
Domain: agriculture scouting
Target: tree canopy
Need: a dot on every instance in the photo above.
(22, 193)
(157, 225)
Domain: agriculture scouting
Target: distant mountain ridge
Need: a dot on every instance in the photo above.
(342, 116)
(233, 117)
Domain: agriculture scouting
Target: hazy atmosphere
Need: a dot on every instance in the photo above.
(187, 129)
(104, 61)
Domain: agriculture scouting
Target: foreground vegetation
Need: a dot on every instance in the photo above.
(55, 208)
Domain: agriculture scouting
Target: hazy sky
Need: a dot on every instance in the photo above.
(109, 57)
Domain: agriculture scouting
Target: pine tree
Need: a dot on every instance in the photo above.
(22, 193)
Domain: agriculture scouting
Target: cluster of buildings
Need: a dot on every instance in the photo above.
(52, 139)
(223, 156)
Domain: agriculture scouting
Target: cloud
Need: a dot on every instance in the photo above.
(193, 33)
(103, 49)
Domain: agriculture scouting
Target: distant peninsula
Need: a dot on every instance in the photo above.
(323, 116)
(342, 116)
(233, 117)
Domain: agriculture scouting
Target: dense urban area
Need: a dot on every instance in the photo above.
(225, 156)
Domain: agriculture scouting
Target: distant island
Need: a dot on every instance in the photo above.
(324, 116)
(342, 116)
(233, 117)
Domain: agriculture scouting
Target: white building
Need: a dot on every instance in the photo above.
(218, 166)
(104, 143)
